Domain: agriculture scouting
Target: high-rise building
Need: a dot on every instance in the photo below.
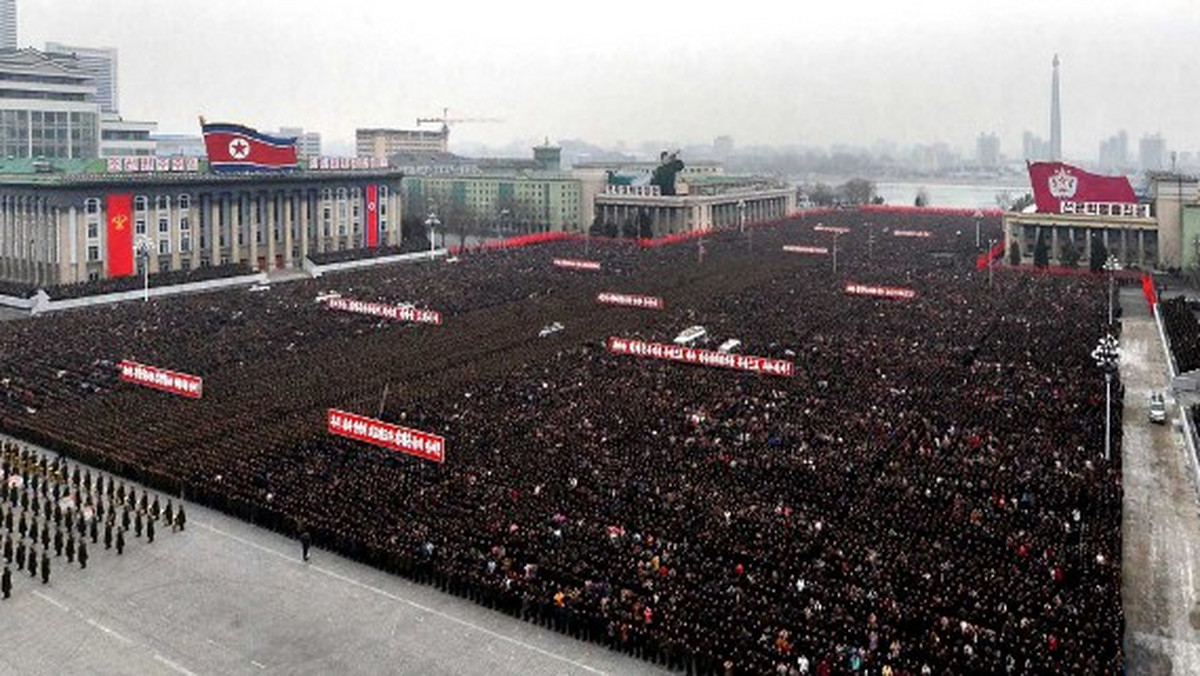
(308, 144)
(1114, 152)
(987, 151)
(1034, 147)
(47, 107)
(383, 143)
(1055, 117)
(126, 138)
(101, 64)
(8, 24)
(1152, 153)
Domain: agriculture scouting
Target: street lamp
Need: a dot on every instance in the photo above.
(835, 236)
(1106, 355)
(1111, 265)
(431, 222)
(978, 215)
(870, 240)
(991, 259)
(741, 207)
(143, 254)
(501, 223)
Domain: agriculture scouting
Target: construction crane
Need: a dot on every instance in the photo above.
(445, 120)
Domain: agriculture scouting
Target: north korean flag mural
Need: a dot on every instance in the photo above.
(120, 234)
(372, 215)
(1054, 183)
(237, 148)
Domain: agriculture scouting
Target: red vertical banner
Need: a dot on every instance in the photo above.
(120, 235)
(372, 216)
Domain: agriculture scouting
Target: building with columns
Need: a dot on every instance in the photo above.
(54, 225)
(618, 205)
(1161, 232)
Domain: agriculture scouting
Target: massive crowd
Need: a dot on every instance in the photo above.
(926, 495)
(1183, 332)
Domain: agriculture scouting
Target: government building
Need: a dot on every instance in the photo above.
(54, 220)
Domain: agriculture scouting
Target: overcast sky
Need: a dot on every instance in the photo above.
(843, 71)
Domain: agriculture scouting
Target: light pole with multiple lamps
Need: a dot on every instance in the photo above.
(991, 259)
(835, 236)
(1106, 355)
(143, 254)
(1111, 265)
(741, 207)
(431, 222)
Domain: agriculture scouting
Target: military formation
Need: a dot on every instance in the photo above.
(53, 514)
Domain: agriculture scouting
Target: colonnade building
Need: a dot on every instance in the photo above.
(54, 227)
(620, 205)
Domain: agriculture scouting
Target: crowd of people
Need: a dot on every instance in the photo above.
(926, 495)
(1183, 332)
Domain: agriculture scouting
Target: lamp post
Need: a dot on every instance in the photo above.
(978, 215)
(1111, 265)
(1106, 355)
(501, 223)
(431, 222)
(143, 254)
(741, 207)
(991, 259)
(835, 236)
(870, 240)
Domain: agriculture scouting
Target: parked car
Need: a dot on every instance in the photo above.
(1158, 408)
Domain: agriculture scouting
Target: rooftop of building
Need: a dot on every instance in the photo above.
(77, 172)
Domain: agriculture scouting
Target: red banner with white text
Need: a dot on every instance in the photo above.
(630, 300)
(797, 248)
(692, 355)
(1054, 183)
(161, 379)
(879, 291)
(372, 216)
(576, 264)
(392, 437)
(404, 313)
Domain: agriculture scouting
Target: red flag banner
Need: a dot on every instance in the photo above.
(826, 228)
(235, 147)
(405, 313)
(629, 300)
(692, 355)
(911, 233)
(879, 291)
(1054, 183)
(120, 235)
(392, 437)
(796, 248)
(576, 264)
(372, 216)
(161, 379)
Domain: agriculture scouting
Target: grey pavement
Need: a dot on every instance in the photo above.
(226, 597)
(1160, 521)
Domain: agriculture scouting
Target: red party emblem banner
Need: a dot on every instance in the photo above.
(691, 355)
(161, 379)
(405, 313)
(576, 264)
(879, 291)
(629, 300)
(912, 233)
(796, 248)
(826, 228)
(1054, 183)
(392, 437)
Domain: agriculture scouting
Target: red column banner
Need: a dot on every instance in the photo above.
(796, 248)
(692, 355)
(386, 435)
(401, 312)
(576, 264)
(879, 291)
(630, 300)
(372, 216)
(161, 379)
(120, 234)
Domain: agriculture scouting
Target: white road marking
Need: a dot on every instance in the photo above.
(386, 594)
(174, 665)
(110, 632)
(47, 599)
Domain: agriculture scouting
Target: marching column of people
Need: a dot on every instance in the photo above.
(40, 496)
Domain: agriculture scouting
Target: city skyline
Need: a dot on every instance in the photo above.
(850, 75)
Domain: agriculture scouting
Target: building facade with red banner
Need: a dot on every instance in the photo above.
(61, 228)
(1077, 210)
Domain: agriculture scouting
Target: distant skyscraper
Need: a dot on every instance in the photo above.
(1152, 153)
(1055, 117)
(1034, 148)
(1114, 152)
(308, 144)
(987, 151)
(8, 24)
(101, 64)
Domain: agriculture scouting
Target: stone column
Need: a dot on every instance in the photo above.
(194, 229)
(1142, 249)
(214, 229)
(305, 206)
(395, 215)
(173, 215)
(289, 222)
(254, 223)
(235, 228)
(272, 201)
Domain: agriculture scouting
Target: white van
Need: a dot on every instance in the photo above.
(692, 335)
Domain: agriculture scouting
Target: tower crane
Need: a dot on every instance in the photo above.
(445, 120)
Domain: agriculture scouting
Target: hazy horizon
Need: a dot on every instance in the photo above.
(852, 73)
